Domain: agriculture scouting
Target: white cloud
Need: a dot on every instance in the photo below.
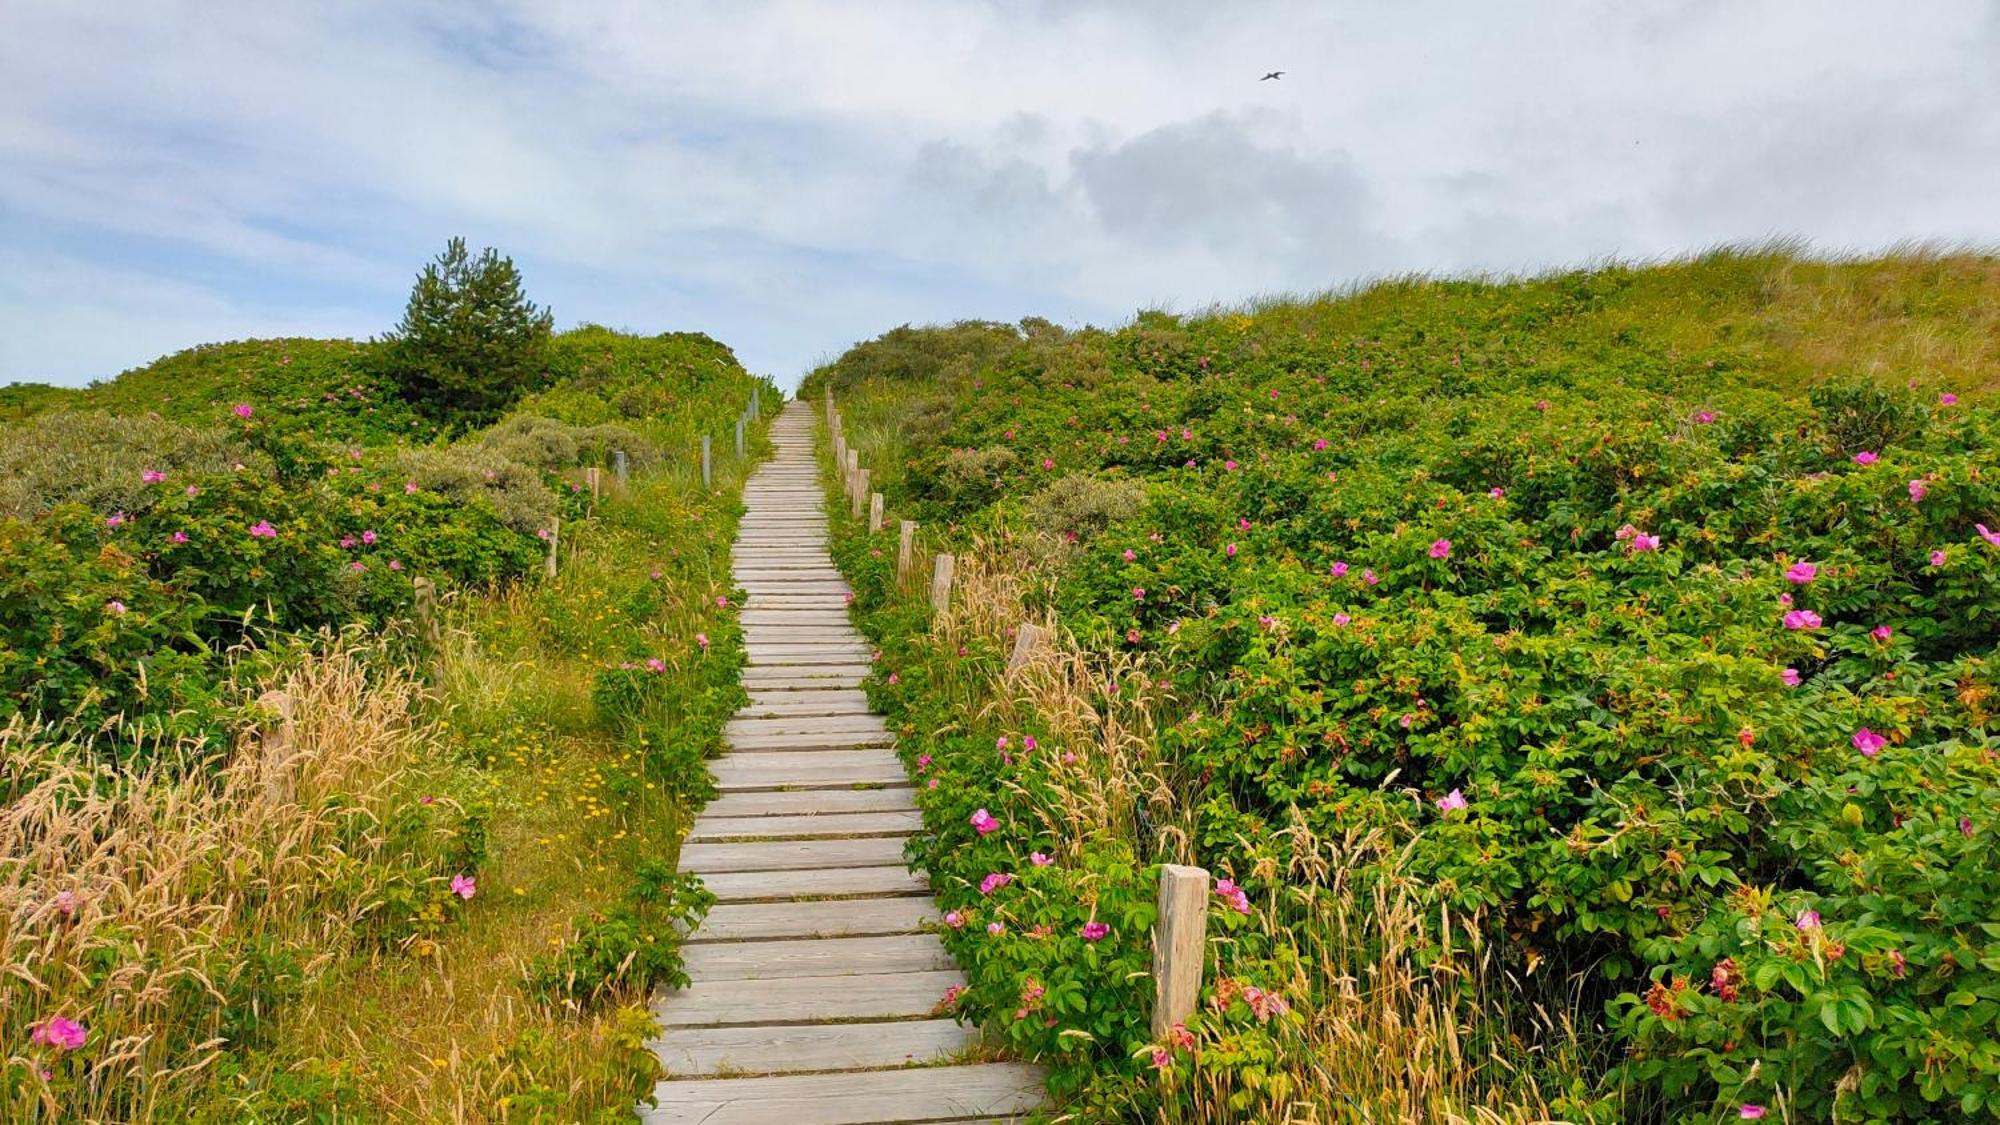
(792, 176)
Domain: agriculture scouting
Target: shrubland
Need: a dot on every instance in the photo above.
(1582, 683)
(440, 885)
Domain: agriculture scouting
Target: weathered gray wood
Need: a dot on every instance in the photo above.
(783, 1000)
(829, 675)
(1028, 639)
(874, 512)
(833, 882)
(821, 724)
(906, 550)
(791, 855)
(719, 828)
(794, 703)
(860, 499)
(816, 957)
(845, 917)
(555, 534)
(621, 468)
(707, 473)
(1179, 944)
(810, 740)
(941, 571)
(701, 1052)
(983, 1091)
(829, 802)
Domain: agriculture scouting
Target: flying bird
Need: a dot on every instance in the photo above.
(1273, 74)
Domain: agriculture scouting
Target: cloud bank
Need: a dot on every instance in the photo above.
(791, 176)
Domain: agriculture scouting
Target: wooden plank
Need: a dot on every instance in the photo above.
(695, 1052)
(831, 802)
(981, 1091)
(816, 957)
(802, 704)
(784, 886)
(843, 917)
(828, 675)
(793, 1000)
(807, 825)
(808, 724)
(791, 855)
(809, 740)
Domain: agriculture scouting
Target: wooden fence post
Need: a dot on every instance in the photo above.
(426, 600)
(941, 583)
(756, 408)
(278, 749)
(1180, 942)
(621, 468)
(906, 550)
(874, 512)
(739, 437)
(860, 491)
(1027, 638)
(707, 472)
(555, 535)
(595, 478)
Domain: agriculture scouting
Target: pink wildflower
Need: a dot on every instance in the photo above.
(1881, 632)
(655, 664)
(243, 410)
(152, 476)
(1704, 417)
(1047, 463)
(1369, 577)
(1790, 676)
(1937, 558)
(954, 919)
(1441, 549)
(1800, 573)
(1094, 931)
(1866, 457)
(1130, 555)
(1235, 895)
(464, 886)
(368, 537)
(995, 929)
(1750, 1111)
(1643, 542)
(984, 822)
(1338, 570)
(1947, 399)
(1496, 492)
(1868, 742)
(1138, 593)
(395, 564)
(1039, 859)
(1452, 801)
(994, 882)
(115, 519)
(262, 529)
(1807, 920)
(409, 488)
(1990, 536)
(1341, 619)
(702, 640)
(59, 1032)
(1230, 550)
(178, 537)
(1802, 619)
(1229, 465)
(1918, 490)
(1319, 444)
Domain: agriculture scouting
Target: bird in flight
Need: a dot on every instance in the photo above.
(1273, 74)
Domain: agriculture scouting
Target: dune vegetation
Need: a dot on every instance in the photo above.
(345, 742)
(1581, 687)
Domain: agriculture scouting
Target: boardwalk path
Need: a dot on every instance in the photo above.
(813, 980)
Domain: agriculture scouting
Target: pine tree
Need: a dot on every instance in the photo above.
(470, 341)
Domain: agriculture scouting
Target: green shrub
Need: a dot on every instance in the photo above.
(101, 460)
(470, 342)
(1080, 507)
(635, 945)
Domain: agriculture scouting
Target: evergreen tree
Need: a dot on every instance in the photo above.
(470, 342)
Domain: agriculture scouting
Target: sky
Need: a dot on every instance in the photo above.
(792, 177)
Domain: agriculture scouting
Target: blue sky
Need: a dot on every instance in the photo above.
(793, 177)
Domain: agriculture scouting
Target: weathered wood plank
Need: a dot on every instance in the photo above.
(830, 802)
(790, 855)
(809, 740)
(816, 957)
(844, 917)
(878, 996)
(695, 1052)
(938, 1093)
(784, 886)
(710, 828)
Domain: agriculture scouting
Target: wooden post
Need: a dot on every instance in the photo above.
(829, 406)
(1180, 943)
(278, 749)
(840, 455)
(860, 491)
(739, 437)
(707, 472)
(906, 550)
(756, 410)
(555, 534)
(426, 600)
(941, 583)
(595, 478)
(620, 468)
(1027, 639)
(874, 512)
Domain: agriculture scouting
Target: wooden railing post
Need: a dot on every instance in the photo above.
(707, 471)
(860, 491)
(1179, 944)
(906, 550)
(941, 571)
(1027, 638)
(739, 437)
(425, 599)
(555, 534)
(595, 478)
(278, 749)
(621, 468)
(874, 512)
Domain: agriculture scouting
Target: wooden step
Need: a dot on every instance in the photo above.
(791, 855)
(845, 917)
(809, 740)
(797, 1000)
(816, 957)
(711, 829)
(826, 802)
(695, 1052)
(820, 883)
(979, 1092)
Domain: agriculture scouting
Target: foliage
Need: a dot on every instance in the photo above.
(1640, 628)
(102, 460)
(470, 342)
(634, 945)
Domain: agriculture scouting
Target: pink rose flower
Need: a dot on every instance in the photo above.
(464, 886)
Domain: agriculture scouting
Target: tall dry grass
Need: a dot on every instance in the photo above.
(168, 912)
(1404, 1015)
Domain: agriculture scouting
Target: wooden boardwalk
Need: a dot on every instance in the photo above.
(814, 984)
